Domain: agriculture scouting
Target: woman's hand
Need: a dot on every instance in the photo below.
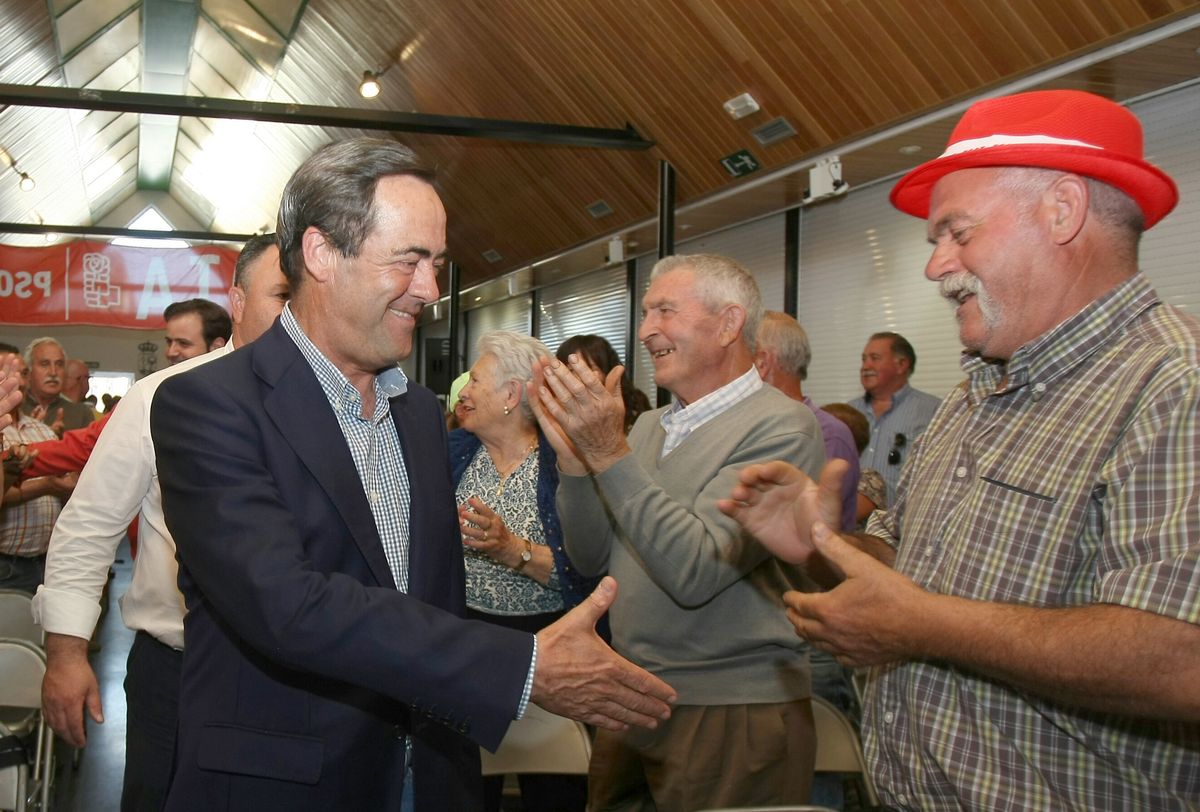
(485, 531)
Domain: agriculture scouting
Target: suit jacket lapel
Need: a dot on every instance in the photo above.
(410, 434)
(298, 407)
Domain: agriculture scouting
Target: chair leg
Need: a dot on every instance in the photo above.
(22, 788)
(47, 767)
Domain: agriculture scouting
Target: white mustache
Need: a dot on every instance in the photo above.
(52, 379)
(954, 286)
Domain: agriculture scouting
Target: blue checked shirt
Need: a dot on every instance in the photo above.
(679, 421)
(375, 449)
(374, 446)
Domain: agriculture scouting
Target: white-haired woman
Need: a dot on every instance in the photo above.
(518, 574)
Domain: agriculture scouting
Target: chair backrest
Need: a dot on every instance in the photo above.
(838, 747)
(540, 742)
(16, 617)
(22, 666)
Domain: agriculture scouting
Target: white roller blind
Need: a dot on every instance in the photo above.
(1169, 250)
(758, 246)
(510, 314)
(595, 303)
(862, 272)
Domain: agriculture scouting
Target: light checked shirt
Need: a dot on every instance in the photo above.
(1067, 477)
(25, 527)
(374, 446)
(679, 421)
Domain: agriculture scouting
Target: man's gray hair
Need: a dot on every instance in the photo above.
(782, 335)
(1108, 204)
(515, 355)
(334, 191)
(37, 342)
(720, 281)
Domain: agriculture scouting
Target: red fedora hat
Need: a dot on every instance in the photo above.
(1068, 130)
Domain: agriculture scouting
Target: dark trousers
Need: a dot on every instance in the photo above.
(19, 572)
(540, 792)
(152, 698)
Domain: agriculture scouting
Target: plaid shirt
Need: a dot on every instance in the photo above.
(374, 446)
(679, 421)
(1066, 477)
(25, 528)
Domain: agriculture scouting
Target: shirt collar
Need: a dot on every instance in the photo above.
(714, 402)
(389, 382)
(1060, 349)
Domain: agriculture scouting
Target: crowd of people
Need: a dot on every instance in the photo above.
(344, 587)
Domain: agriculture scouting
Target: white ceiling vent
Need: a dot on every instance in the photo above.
(773, 131)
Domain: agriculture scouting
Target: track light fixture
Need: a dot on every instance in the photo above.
(27, 184)
(369, 87)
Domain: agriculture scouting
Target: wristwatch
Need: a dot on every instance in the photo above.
(526, 555)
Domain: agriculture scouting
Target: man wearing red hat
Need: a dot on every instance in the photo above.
(1036, 642)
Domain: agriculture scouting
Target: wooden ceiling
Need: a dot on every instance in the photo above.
(846, 74)
(837, 70)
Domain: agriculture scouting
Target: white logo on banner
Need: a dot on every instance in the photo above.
(97, 292)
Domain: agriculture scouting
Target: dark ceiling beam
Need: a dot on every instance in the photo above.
(104, 231)
(567, 135)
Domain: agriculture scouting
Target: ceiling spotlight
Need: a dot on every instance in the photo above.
(369, 87)
(27, 184)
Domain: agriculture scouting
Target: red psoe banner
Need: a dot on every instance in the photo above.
(97, 283)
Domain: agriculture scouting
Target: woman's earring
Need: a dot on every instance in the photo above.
(507, 410)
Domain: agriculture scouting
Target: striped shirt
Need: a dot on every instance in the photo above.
(1066, 477)
(374, 446)
(896, 431)
(679, 421)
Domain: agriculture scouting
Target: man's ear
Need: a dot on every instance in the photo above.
(1068, 196)
(320, 256)
(733, 319)
(763, 363)
(217, 343)
(237, 303)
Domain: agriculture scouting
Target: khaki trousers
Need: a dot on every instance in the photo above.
(705, 757)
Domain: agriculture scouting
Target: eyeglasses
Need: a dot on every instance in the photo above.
(897, 444)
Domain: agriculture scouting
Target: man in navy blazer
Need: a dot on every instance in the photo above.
(307, 486)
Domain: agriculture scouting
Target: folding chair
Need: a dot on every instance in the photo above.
(838, 747)
(16, 617)
(540, 742)
(22, 667)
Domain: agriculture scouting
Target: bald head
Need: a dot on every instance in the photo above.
(76, 380)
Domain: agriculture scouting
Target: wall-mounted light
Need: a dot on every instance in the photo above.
(27, 183)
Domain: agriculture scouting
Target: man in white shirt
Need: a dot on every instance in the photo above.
(119, 481)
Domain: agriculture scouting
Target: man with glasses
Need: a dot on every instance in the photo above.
(896, 412)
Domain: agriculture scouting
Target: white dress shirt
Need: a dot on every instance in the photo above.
(119, 481)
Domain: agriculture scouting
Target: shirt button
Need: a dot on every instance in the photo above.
(889, 717)
(374, 496)
(960, 471)
(929, 551)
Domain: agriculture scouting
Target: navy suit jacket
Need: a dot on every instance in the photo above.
(304, 668)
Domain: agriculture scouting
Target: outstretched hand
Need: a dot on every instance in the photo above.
(579, 676)
(872, 617)
(778, 503)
